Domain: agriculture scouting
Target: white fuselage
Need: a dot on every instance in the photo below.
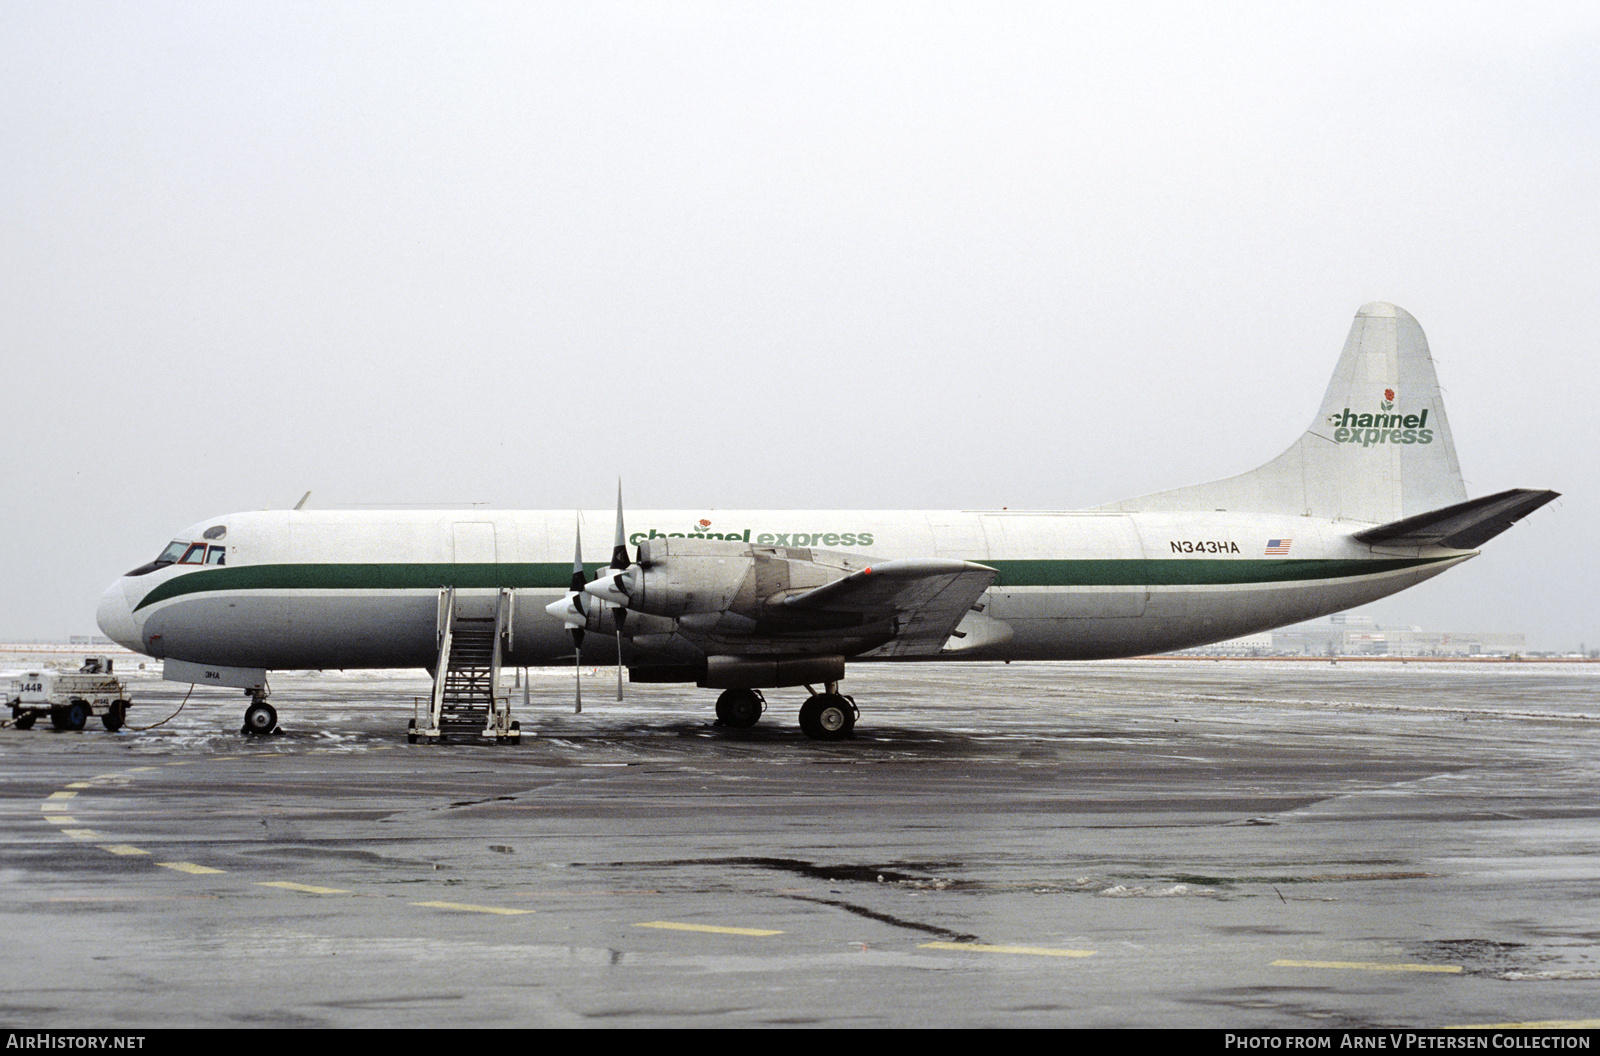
(359, 589)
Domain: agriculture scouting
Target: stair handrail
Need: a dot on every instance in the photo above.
(447, 598)
(508, 604)
(444, 628)
(499, 717)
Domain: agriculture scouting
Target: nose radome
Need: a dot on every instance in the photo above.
(115, 618)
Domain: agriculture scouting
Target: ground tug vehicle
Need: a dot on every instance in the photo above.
(67, 698)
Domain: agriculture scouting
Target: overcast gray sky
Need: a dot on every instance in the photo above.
(813, 255)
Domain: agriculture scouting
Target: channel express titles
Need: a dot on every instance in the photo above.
(765, 538)
(1382, 427)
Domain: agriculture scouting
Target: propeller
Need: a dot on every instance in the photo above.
(572, 611)
(615, 586)
(610, 583)
(612, 587)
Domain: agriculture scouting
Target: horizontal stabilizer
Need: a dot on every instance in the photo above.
(1463, 526)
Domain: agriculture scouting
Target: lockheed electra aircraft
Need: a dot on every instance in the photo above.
(1367, 502)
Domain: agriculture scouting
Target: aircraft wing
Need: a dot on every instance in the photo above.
(923, 599)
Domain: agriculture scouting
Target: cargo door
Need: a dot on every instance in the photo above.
(477, 579)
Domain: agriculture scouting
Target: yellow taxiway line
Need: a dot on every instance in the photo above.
(190, 867)
(289, 885)
(713, 929)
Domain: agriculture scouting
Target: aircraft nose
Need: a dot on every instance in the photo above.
(115, 617)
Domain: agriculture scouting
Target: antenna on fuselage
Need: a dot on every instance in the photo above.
(301, 504)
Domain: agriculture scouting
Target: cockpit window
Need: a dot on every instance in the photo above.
(183, 552)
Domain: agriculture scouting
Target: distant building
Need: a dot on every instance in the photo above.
(1249, 645)
(1346, 634)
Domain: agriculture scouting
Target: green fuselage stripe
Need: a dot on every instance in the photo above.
(1168, 572)
(555, 576)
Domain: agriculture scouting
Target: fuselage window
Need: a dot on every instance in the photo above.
(216, 555)
(195, 555)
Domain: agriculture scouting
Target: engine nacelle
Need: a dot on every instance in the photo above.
(678, 577)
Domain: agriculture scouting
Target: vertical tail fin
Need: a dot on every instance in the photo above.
(1379, 449)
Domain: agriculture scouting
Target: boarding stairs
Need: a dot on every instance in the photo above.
(473, 633)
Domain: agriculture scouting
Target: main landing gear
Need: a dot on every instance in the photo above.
(826, 716)
(829, 716)
(260, 718)
(740, 708)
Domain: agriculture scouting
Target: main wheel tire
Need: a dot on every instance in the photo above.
(740, 708)
(828, 717)
(113, 719)
(260, 719)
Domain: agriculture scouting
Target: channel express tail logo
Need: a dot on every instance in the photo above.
(1383, 427)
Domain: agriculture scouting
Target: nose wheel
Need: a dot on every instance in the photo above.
(260, 718)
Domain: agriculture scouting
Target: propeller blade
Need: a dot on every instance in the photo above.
(619, 545)
(577, 672)
(578, 578)
(574, 602)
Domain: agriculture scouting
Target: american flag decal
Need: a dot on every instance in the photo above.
(1278, 546)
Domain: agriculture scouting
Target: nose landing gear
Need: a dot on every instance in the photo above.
(260, 718)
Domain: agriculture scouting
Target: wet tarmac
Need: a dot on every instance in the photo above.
(1130, 844)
